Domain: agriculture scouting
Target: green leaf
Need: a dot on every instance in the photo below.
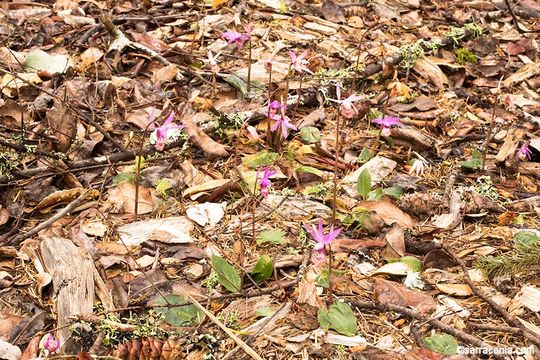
(364, 156)
(124, 177)
(322, 279)
(310, 134)
(186, 315)
(261, 158)
(263, 269)
(394, 191)
(363, 183)
(339, 317)
(271, 236)
(525, 238)
(226, 274)
(442, 343)
(475, 163)
(265, 311)
(39, 60)
(413, 262)
(240, 84)
(376, 194)
(309, 170)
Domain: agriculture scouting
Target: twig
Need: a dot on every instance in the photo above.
(463, 336)
(215, 320)
(506, 316)
(70, 207)
(100, 160)
(514, 18)
(488, 138)
(122, 42)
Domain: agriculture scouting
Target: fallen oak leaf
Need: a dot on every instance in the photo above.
(212, 150)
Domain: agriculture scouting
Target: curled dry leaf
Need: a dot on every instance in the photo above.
(172, 230)
(64, 196)
(455, 289)
(212, 150)
(388, 212)
(123, 198)
(394, 293)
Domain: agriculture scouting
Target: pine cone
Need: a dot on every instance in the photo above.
(150, 349)
(421, 205)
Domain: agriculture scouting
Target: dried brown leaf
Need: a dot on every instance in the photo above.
(396, 294)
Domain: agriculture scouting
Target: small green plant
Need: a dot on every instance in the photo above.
(230, 320)
(363, 186)
(473, 164)
(228, 123)
(163, 186)
(465, 56)
(129, 174)
(525, 256)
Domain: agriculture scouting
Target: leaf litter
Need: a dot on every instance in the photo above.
(161, 167)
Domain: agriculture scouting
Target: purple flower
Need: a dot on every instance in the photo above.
(264, 181)
(386, 123)
(238, 38)
(322, 239)
(284, 123)
(347, 107)
(272, 109)
(299, 63)
(524, 152)
(51, 344)
(162, 132)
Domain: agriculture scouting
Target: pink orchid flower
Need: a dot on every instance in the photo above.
(213, 62)
(321, 239)
(348, 110)
(162, 132)
(272, 110)
(51, 344)
(238, 38)
(524, 152)
(284, 122)
(264, 181)
(299, 63)
(386, 123)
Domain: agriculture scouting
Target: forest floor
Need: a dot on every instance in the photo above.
(269, 179)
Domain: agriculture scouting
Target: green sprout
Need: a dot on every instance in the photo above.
(464, 56)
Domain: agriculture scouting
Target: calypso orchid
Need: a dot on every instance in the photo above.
(298, 63)
(162, 133)
(238, 38)
(49, 344)
(524, 152)
(284, 122)
(264, 180)
(213, 62)
(348, 110)
(322, 239)
(386, 123)
(419, 165)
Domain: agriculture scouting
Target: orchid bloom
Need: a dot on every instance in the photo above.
(299, 63)
(162, 132)
(419, 165)
(212, 61)
(264, 181)
(272, 107)
(348, 110)
(321, 239)
(238, 38)
(524, 152)
(386, 123)
(51, 344)
(284, 122)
